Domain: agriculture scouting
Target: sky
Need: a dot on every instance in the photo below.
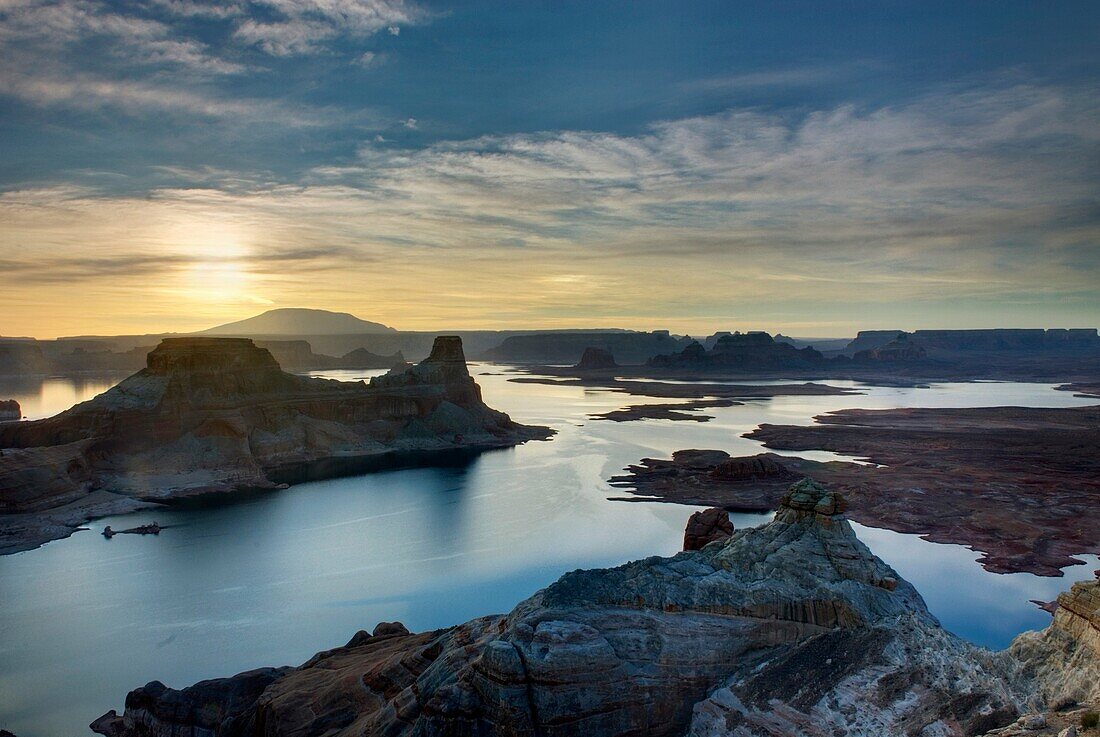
(813, 168)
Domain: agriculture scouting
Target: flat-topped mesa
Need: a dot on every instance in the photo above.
(201, 368)
(208, 355)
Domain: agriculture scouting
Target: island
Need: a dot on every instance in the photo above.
(219, 415)
(1019, 484)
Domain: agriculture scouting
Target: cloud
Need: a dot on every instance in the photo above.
(171, 54)
(369, 59)
(801, 76)
(303, 25)
(968, 196)
(146, 97)
(52, 27)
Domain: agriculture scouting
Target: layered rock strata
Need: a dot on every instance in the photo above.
(792, 628)
(218, 414)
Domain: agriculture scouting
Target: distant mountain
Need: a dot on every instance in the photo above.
(299, 321)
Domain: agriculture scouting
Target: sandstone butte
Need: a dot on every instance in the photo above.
(789, 629)
(217, 415)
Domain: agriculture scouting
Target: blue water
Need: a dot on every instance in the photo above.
(273, 578)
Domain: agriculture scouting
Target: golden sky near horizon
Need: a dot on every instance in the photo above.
(900, 218)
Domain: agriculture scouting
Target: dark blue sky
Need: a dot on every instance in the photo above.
(675, 133)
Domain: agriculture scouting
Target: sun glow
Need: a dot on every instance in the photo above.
(218, 255)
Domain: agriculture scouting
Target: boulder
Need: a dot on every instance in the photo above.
(707, 526)
(390, 629)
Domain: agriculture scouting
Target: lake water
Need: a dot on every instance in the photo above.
(273, 578)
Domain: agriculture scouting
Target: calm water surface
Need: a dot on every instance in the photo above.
(271, 579)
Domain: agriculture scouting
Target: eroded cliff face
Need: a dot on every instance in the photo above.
(1060, 666)
(218, 414)
(792, 628)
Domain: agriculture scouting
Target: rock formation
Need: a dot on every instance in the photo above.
(741, 352)
(1062, 663)
(10, 410)
(1012, 482)
(750, 468)
(299, 321)
(707, 526)
(361, 358)
(789, 629)
(595, 359)
(22, 357)
(711, 478)
(568, 347)
(899, 349)
(218, 414)
(1015, 483)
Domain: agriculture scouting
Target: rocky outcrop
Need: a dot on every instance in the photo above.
(959, 476)
(900, 349)
(707, 526)
(741, 352)
(298, 355)
(750, 468)
(1010, 339)
(711, 478)
(22, 357)
(1012, 482)
(595, 359)
(10, 410)
(361, 358)
(792, 628)
(1061, 664)
(217, 706)
(568, 347)
(1078, 614)
(218, 414)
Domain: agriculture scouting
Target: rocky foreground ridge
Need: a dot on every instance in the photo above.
(792, 628)
(218, 414)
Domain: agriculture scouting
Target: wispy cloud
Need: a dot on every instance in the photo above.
(157, 55)
(977, 193)
(806, 75)
(303, 25)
